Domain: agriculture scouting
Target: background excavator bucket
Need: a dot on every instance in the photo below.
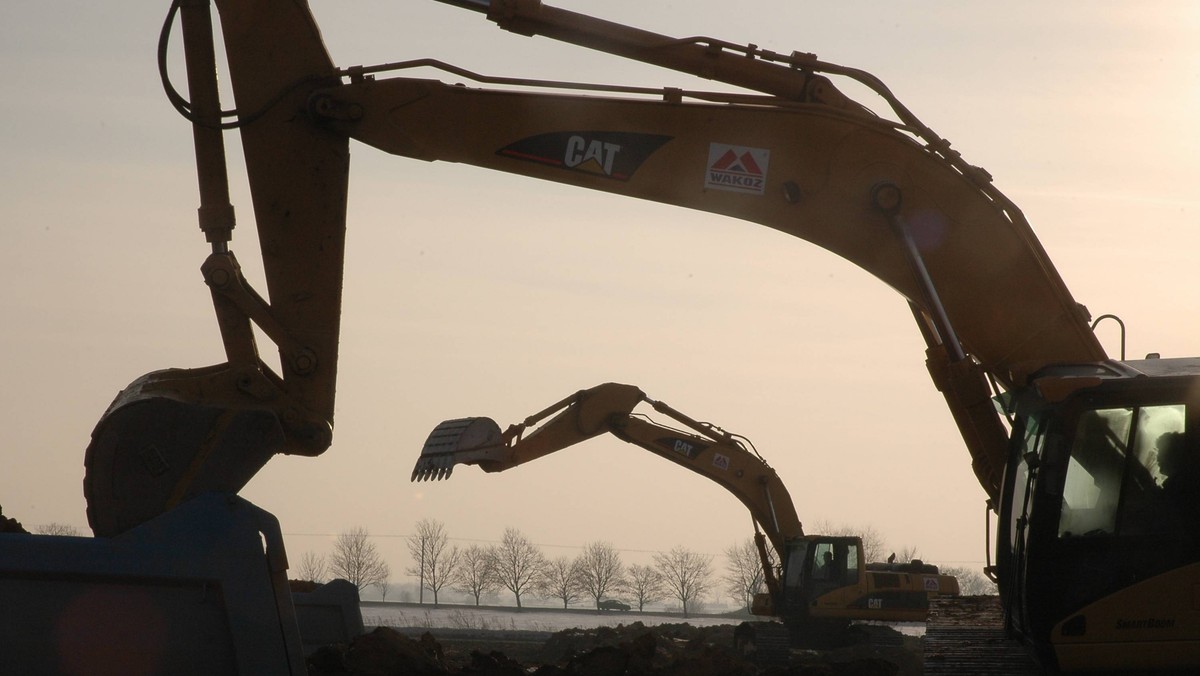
(462, 440)
(479, 441)
(160, 443)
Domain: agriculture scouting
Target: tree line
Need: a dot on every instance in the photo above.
(517, 565)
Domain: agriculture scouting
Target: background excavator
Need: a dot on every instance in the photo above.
(815, 583)
(1093, 544)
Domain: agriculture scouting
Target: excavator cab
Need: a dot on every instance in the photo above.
(1099, 543)
(827, 582)
(816, 568)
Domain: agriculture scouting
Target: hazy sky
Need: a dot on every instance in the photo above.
(471, 293)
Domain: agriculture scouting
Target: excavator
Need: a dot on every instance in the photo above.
(1087, 461)
(820, 582)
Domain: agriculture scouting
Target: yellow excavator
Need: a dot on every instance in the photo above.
(1098, 544)
(816, 583)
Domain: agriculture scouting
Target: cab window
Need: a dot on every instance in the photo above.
(851, 574)
(823, 563)
(794, 574)
(1032, 446)
(1092, 490)
(1132, 471)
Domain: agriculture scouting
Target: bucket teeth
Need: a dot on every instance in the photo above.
(465, 440)
(433, 468)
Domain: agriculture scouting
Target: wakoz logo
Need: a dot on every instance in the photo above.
(737, 169)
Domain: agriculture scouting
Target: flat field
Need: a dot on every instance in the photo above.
(493, 618)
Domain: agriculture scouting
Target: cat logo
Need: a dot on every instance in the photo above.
(606, 154)
(685, 447)
(591, 155)
(737, 169)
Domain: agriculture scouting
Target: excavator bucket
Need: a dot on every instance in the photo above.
(462, 440)
(159, 445)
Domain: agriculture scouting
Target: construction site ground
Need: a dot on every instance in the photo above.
(619, 643)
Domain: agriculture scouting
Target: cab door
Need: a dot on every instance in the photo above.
(1012, 537)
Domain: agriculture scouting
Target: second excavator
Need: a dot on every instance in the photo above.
(817, 584)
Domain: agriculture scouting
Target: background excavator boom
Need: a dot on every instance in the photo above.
(702, 448)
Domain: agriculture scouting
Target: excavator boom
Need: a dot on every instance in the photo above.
(806, 169)
(704, 449)
(888, 196)
(799, 157)
(800, 78)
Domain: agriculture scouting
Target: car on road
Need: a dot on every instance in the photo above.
(612, 604)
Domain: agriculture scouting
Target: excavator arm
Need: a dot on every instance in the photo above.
(703, 448)
(793, 154)
(888, 195)
(873, 190)
(177, 433)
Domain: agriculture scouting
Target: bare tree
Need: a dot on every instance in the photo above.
(383, 586)
(433, 563)
(685, 575)
(476, 572)
(563, 579)
(645, 584)
(56, 528)
(743, 572)
(601, 571)
(442, 574)
(518, 563)
(971, 582)
(906, 554)
(356, 559)
(873, 545)
(313, 568)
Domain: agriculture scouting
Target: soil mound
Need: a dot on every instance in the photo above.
(626, 650)
(8, 525)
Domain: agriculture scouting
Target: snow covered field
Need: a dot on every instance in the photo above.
(535, 619)
(529, 619)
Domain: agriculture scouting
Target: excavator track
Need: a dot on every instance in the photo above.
(965, 635)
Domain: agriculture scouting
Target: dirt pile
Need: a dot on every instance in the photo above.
(636, 650)
(8, 525)
(633, 650)
(382, 652)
